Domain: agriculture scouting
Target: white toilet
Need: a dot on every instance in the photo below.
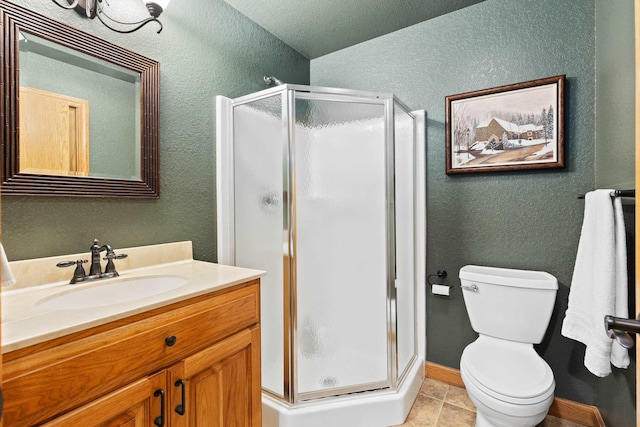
(510, 384)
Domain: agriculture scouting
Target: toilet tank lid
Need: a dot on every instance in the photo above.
(509, 277)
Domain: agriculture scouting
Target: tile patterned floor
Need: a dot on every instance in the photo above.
(443, 405)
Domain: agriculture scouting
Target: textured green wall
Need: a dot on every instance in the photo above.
(207, 48)
(615, 90)
(615, 164)
(527, 220)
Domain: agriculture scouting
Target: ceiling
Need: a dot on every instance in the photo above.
(316, 28)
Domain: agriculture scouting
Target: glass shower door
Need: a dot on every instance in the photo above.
(260, 131)
(341, 226)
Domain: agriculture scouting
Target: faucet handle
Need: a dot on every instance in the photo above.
(112, 255)
(110, 267)
(70, 263)
(79, 273)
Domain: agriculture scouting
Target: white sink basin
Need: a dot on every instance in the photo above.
(113, 292)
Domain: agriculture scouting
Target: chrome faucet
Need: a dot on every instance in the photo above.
(95, 271)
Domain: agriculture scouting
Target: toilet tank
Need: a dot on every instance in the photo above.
(506, 303)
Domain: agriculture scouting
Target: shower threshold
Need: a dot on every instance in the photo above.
(377, 408)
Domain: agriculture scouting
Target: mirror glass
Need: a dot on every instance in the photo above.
(79, 115)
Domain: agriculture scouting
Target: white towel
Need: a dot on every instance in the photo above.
(599, 284)
(7, 274)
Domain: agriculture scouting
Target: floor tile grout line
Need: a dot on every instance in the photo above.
(459, 407)
(454, 403)
(439, 412)
(444, 397)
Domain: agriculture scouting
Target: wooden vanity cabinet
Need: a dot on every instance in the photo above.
(136, 405)
(194, 363)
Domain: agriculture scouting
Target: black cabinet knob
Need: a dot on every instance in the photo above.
(170, 341)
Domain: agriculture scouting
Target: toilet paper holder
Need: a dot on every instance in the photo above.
(439, 288)
(440, 274)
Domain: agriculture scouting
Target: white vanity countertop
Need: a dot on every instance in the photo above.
(25, 322)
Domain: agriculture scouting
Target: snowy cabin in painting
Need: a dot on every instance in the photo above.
(496, 128)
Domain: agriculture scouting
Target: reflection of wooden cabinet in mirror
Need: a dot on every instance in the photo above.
(16, 20)
(54, 137)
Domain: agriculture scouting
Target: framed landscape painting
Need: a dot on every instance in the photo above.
(513, 127)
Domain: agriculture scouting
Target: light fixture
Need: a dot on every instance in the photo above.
(95, 9)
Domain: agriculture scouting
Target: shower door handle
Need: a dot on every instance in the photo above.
(270, 199)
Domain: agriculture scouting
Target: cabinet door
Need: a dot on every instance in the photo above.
(220, 385)
(136, 405)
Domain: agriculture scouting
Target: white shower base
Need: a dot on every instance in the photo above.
(369, 409)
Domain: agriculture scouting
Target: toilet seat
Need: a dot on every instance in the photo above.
(509, 371)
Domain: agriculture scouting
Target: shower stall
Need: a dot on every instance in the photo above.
(324, 189)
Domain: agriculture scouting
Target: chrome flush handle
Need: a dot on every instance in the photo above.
(472, 288)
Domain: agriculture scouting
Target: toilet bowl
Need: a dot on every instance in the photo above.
(510, 384)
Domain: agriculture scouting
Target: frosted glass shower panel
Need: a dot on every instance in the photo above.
(259, 138)
(404, 136)
(341, 253)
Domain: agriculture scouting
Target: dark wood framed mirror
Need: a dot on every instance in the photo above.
(20, 25)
